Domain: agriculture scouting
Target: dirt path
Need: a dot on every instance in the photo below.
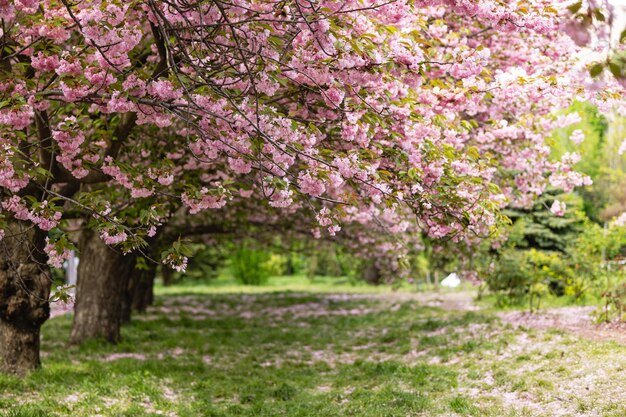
(576, 319)
(579, 320)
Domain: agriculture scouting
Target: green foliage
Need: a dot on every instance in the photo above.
(205, 263)
(530, 273)
(546, 254)
(538, 228)
(250, 266)
(24, 411)
(566, 257)
(276, 264)
(332, 261)
(595, 127)
(296, 263)
(614, 304)
(464, 406)
(601, 160)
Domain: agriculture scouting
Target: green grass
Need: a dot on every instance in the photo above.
(326, 349)
(225, 283)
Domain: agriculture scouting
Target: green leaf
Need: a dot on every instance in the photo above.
(186, 250)
(574, 8)
(599, 16)
(596, 69)
(616, 70)
(550, 9)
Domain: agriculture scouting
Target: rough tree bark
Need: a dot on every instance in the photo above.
(103, 275)
(24, 297)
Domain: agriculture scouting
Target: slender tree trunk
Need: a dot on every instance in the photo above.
(143, 291)
(139, 294)
(166, 275)
(127, 298)
(103, 274)
(312, 266)
(24, 293)
(289, 269)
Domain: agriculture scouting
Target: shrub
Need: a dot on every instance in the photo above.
(250, 266)
(614, 304)
(276, 264)
(533, 274)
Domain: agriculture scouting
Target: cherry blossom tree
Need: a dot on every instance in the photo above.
(429, 113)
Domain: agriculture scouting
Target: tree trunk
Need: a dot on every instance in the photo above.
(289, 269)
(139, 294)
(24, 297)
(312, 266)
(371, 274)
(166, 275)
(143, 291)
(103, 274)
(127, 299)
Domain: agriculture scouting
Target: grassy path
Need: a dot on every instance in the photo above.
(321, 354)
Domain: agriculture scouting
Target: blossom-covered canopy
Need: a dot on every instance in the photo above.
(425, 113)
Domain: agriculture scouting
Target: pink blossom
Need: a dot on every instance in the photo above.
(310, 185)
(43, 62)
(245, 193)
(334, 97)
(166, 180)
(205, 201)
(17, 118)
(164, 90)
(140, 192)
(56, 257)
(73, 93)
(577, 136)
(324, 217)
(27, 6)
(558, 208)
(356, 109)
(240, 165)
(68, 68)
(117, 104)
(113, 239)
(281, 198)
(578, 31)
(332, 230)
(178, 263)
(15, 204)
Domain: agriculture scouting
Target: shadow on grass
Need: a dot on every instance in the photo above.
(262, 364)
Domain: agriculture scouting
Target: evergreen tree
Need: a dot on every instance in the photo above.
(538, 228)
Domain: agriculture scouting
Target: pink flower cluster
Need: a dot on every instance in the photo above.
(44, 217)
(56, 256)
